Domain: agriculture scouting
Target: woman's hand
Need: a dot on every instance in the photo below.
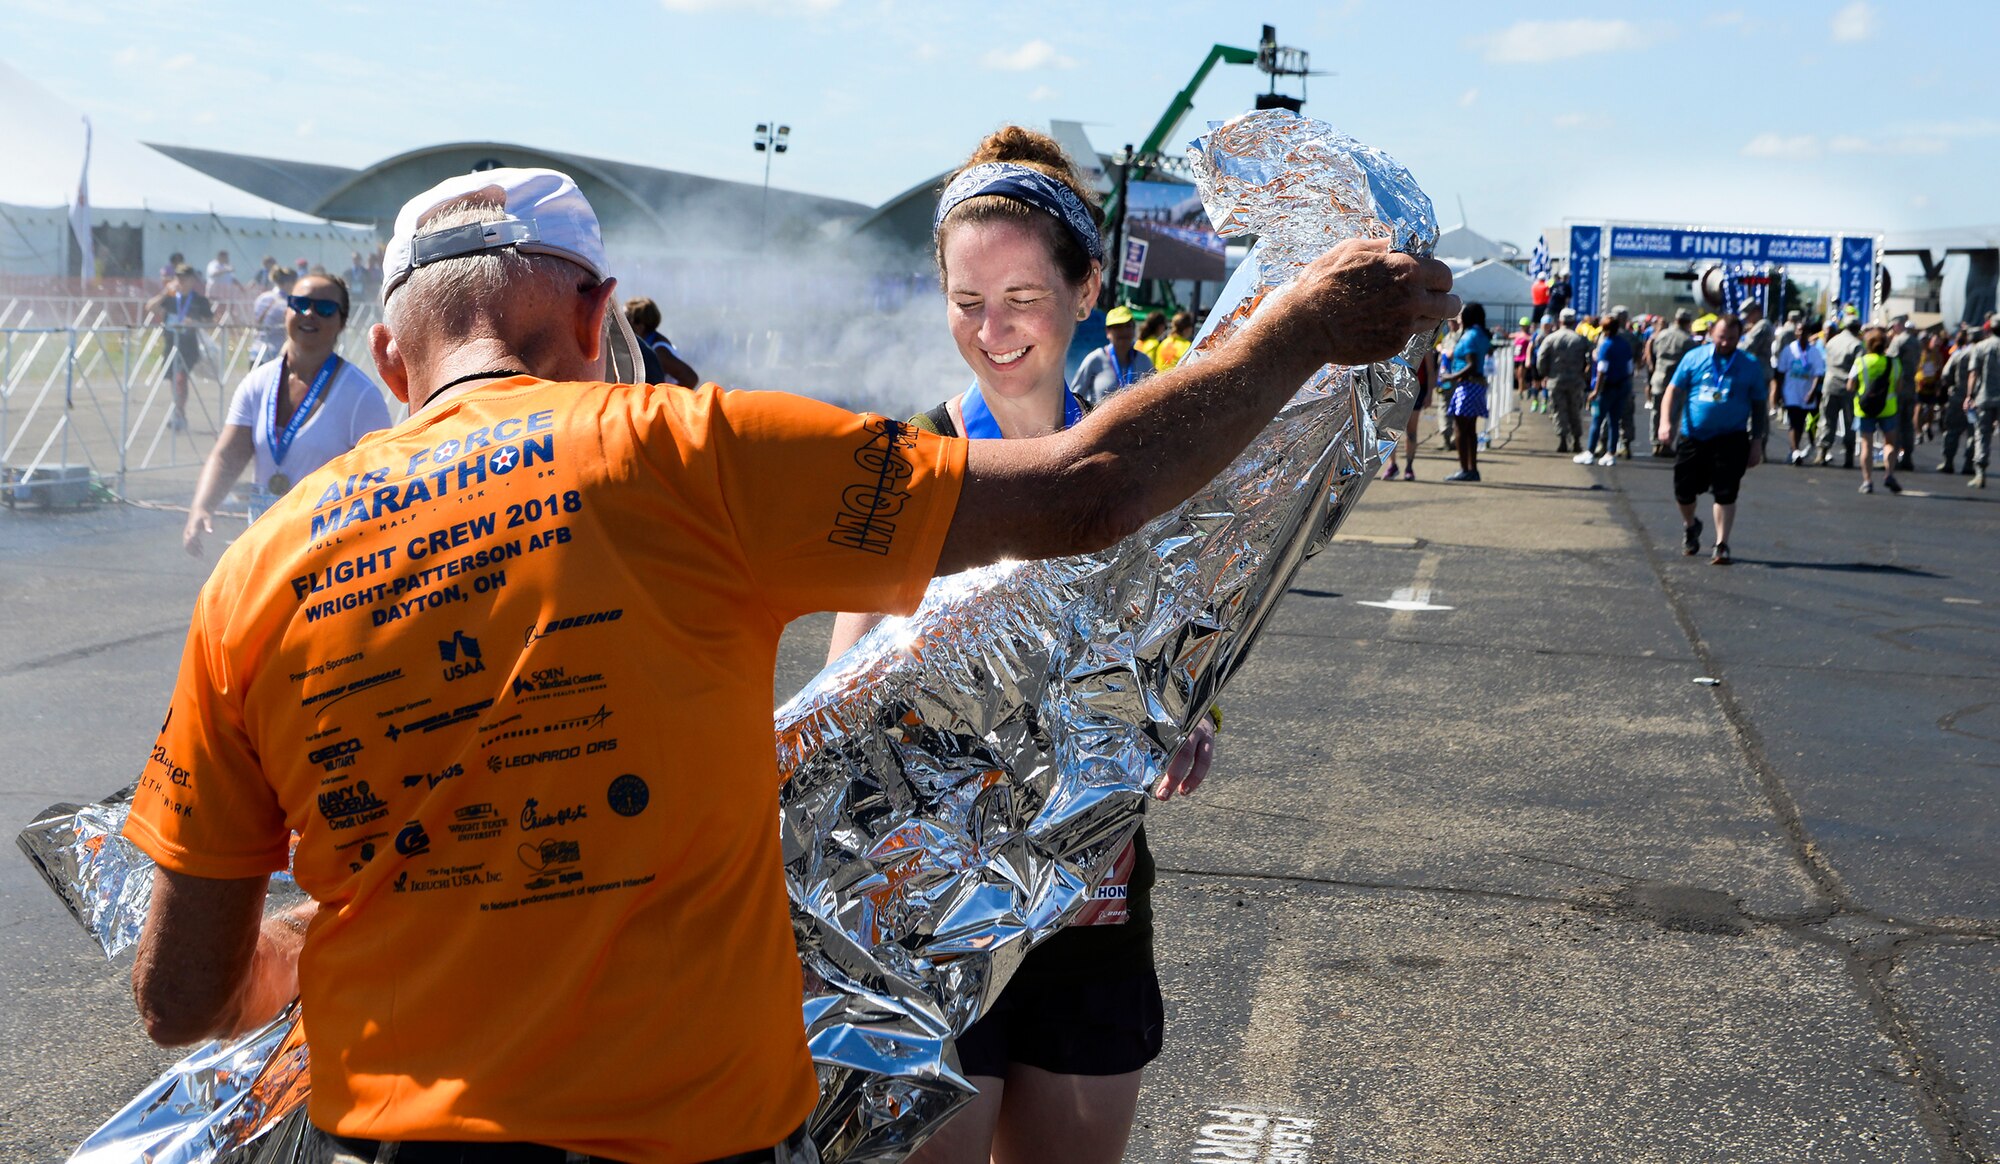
(1190, 765)
(200, 521)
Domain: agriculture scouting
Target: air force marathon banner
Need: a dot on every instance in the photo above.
(1589, 248)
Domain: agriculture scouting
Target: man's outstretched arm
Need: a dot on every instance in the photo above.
(210, 965)
(1150, 447)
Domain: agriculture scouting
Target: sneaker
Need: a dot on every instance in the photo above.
(1721, 555)
(1867, 487)
(1825, 457)
(1389, 474)
(1584, 459)
(1607, 460)
(1562, 447)
(1691, 538)
(1978, 477)
(1464, 475)
(1891, 484)
(178, 422)
(1947, 468)
(1625, 451)
(1409, 472)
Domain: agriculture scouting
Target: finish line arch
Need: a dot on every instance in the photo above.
(1594, 245)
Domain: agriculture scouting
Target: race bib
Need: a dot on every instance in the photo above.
(1109, 905)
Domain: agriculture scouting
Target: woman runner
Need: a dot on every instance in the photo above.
(292, 414)
(1057, 1058)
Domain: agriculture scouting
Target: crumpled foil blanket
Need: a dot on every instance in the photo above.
(963, 778)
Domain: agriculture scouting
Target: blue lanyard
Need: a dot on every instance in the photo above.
(981, 426)
(182, 305)
(281, 443)
(1122, 371)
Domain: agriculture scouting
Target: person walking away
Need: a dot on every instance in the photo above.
(1873, 383)
(1930, 394)
(1759, 342)
(291, 414)
(663, 360)
(1522, 342)
(1563, 361)
(1627, 414)
(626, 983)
(1836, 401)
(221, 277)
(1801, 372)
(1952, 412)
(267, 315)
(1179, 338)
(1720, 432)
(1544, 328)
(1467, 384)
(1558, 296)
(1789, 330)
(181, 311)
(1981, 401)
(1152, 330)
(1118, 364)
(1611, 393)
(1905, 350)
(1427, 376)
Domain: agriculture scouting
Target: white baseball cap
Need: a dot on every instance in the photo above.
(546, 215)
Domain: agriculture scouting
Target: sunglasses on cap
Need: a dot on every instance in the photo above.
(304, 305)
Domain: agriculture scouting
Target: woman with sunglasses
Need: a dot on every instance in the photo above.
(291, 414)
(1058, 1055)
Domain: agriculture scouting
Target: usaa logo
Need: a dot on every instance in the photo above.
(460, 655)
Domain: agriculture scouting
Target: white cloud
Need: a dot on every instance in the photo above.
(1536, 42)
(1855, 22)
(1042, 93)
(126, 56)
(308, 128)
(1036, 54)
(1777, 145)
(177, 62)
(1468, 99)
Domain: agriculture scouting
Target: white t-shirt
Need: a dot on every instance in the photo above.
(1800, 369)
(351, 409)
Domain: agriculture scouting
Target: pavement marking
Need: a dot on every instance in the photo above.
(1408, 600)
(1256, 1134)
(1964, 601)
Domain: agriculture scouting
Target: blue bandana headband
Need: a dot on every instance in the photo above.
(1027, 185)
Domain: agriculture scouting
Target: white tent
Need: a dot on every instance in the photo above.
(1500, 287)
(172, 207)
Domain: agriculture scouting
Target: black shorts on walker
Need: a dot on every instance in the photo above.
(1713, 466)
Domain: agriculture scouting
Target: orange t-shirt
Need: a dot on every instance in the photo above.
(505, 670)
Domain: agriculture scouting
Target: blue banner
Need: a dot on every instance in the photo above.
(1857, 275)
(1586, 266)
(1643, 242)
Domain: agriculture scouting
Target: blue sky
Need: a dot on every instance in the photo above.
(1853, 113)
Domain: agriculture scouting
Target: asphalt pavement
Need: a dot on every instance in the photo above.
(1482, 873)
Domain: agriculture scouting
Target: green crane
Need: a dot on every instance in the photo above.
(1170, 121)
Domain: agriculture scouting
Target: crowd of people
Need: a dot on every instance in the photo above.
(1872, 393)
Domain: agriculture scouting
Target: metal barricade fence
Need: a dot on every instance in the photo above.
(86, 391)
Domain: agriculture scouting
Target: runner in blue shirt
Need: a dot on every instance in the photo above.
(1721, 430)
(1612, 394)
(1465, 379)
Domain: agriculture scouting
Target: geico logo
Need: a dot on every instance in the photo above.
(346, 747)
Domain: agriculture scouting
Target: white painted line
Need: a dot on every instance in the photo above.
(1415, 597)
(1964, 601)
(1250, 1134)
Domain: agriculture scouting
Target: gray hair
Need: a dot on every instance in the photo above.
(454, 288)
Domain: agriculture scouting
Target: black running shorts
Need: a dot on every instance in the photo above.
(1108, 1021)
(1715, 465)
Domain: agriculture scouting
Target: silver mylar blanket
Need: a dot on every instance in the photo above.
(962, 778)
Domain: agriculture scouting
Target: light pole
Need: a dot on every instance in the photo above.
(771, 139)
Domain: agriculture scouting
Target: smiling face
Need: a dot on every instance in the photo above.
(312, 335)
(1010, 309)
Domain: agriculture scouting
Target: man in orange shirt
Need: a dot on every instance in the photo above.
(496, 687)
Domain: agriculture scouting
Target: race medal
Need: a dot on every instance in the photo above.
(280, 485)
(280, 441)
